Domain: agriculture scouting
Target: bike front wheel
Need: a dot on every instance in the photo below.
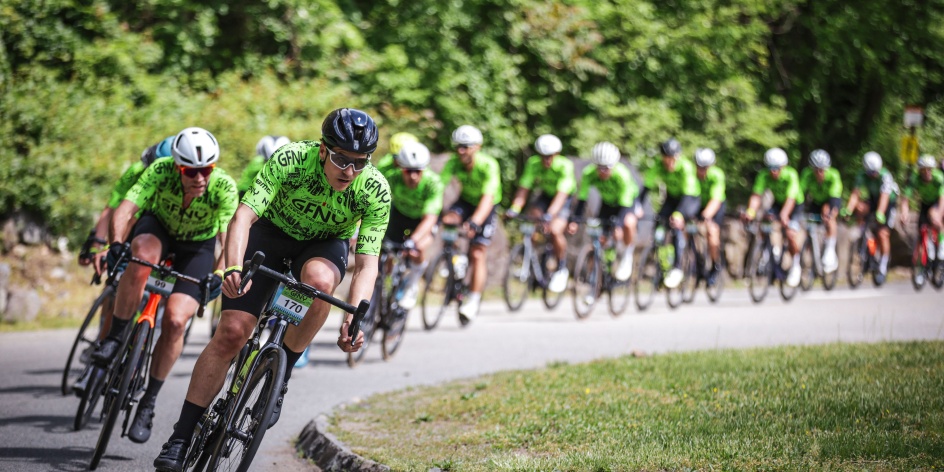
(245, 422)
(438, 292)
(551, 264)
(858, 258)
(807, 266)
(690, 270)
(587, 282)
(647, 279)
(517, 281)
(85, 339)
(759, 272)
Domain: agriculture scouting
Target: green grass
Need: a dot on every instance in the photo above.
(835, 407)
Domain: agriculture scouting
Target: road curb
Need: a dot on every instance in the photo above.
(329, 454)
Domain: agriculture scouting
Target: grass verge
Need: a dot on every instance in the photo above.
(833, 407)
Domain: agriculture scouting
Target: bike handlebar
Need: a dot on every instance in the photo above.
(255, 265)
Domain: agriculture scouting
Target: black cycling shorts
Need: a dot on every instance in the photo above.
(400, 226)
(483, 236)
(923, 215)
(277, 245)
(817, 207)
(718, 219)
(193, 258)
(608, 211)
(542, 202)
(687, 205)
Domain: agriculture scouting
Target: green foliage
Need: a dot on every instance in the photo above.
(85, 85)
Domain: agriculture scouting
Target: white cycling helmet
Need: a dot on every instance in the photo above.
(413, 155)
(548, 145)
(605, 154)
(872, 162)
(195, 147)
(466, 135)
(704, 157)
(927, 161)
(820, 159)
(269, 144)
(775, 158)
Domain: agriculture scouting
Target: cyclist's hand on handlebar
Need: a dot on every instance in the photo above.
(344, 339)
(510, 214)
(572, 228)
(231, 280)
(216, 284)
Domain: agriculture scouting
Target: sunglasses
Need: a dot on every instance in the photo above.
(343, 162)
(461, 147)
(194, 171)
(413, 171)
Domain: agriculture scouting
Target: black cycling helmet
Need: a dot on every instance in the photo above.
(670, 147)
(351, 130)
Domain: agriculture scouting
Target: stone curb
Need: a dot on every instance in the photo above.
(329, 454)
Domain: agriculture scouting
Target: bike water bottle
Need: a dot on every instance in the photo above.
(666, 257)
(460, 262)
(871, 244)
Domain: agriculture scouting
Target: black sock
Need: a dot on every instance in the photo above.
(189, 417)
(291, 357)
(117, 327)
(153, 388)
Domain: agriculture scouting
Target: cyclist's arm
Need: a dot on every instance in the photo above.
(753, 204)
(853, 200)
(122, 221)
(882, 206)
(788, 205)
(557, 203)
(483, 209)
(104, 220)
(518, 202)
(425, 227)
(711, 208)
(234, 252)
(362, 286)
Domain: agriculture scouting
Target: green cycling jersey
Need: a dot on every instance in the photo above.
(713, 187)
(425, 199)
(619, 189)
(386, 163)
(558, 178)
(125, 182)
(784, 188)
(928, 192)
(821, 192)
(483, 179)
(683, 180)
(249, 174)
(293, 193)
(872, 187)
(160, 191)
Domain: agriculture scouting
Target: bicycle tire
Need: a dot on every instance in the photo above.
(647, 279)
(265, 377)
(83, 342)
(714, 291)
(438, 292)
(587, 283)
(119, 403)
(516, 282)
(689, 285)
(618, 295)
(759, 271)
(857, 263)
(393, 332)
(90, 399)
(807, 266)
(369, 325)
(548, 260)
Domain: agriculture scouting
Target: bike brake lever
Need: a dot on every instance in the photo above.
(250, 269)
(355, 325)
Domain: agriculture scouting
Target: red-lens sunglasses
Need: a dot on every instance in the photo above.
(194, 171)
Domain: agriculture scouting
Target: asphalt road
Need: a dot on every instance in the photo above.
(36, 420)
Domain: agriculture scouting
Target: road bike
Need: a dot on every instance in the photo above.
(864, 255)
(123, 381)
(445, 279)
(229, 434)
(530, 266)
(86, 341)
(924, 263)
(811, 255)
(696, 266)
(593, 273)
(765, 261)
(656, 261)
(385, 313)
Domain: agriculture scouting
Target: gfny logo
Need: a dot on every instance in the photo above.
(318, 211)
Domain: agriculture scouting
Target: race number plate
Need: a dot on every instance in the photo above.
(291, 304)
(163, 286)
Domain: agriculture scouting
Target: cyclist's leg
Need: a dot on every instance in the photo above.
(935, 216)
(478, 249)
(830, 211)
(713, 230)
(885, 236)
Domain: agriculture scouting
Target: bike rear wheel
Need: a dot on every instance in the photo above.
(437, 294)
(715, 290)
(858, 258)
(551, 264)
(368, 325)
(89, 400)
(245, 422)
(647, 279)
(807, 266)
(587, 282)
(118, 401)
(85, 339)
(517, 280)
(690, 270)
(618, 294)
(759, 271)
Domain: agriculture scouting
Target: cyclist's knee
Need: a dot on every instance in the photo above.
(232, 332)
(174, 323)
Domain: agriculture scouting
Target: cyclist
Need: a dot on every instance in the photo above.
(822, 184)
(185, 201)
(417, 195)
(927, 185)
(553, 175)
(618, 192)
(389, 160)
(304, 205)
(682, 200)
(97, 237)
(784, 183)
(480, 178)
(712, 182)
(881, 195)
(264, 150)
